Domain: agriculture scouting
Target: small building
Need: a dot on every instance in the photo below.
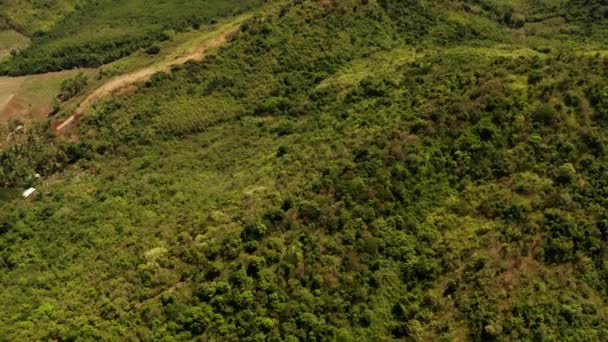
(29, 192)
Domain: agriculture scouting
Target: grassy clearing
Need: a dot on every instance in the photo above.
(394, 60)
(11, 40)
(602, 53)
(30, 98)
(38, 15)
(360, 69)
(182, 44)
(500, 50)
(485, 26)
(550, 28)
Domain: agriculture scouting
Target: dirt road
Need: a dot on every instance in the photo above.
(6, 101)
(130, 79)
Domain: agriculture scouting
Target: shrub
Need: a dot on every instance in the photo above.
(545, 114)
(153, 50)
(535, 77)
(73, 86)
(566, 173)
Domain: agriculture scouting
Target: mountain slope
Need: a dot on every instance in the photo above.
(339, 171)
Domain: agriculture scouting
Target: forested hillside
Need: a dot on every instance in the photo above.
(339, 171)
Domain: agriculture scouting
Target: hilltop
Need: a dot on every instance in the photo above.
(336, 171)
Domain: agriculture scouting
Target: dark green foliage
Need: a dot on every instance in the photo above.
(73, 86)
(544, 114)
(153, 50)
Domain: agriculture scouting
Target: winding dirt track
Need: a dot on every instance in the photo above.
(6, 101)
(142, 75)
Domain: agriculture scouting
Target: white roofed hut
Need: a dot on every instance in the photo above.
(29, 192)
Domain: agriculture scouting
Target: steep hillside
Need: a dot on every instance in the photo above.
(339, 171)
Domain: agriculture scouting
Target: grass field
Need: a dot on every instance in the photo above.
(36, 15)
(29, 98)
(11, 40)
(180, 45)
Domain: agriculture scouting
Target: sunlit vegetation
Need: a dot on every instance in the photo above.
(11, 42)
(31, 16)
(71, 87)
(339, 171)
(103, 31)
(32, 97)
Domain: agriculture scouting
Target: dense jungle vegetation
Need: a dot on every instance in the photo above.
(102, 31)
(339, 171)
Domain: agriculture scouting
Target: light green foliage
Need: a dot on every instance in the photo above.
(11, 42)
(34, 15)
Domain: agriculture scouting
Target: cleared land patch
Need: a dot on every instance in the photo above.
(31, 97)
(38, 15)
(11, 40)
